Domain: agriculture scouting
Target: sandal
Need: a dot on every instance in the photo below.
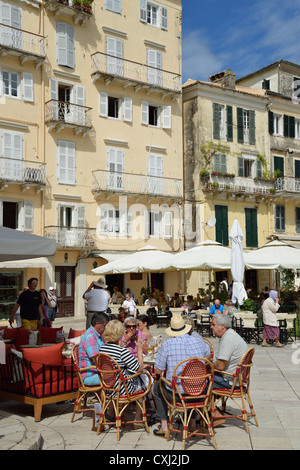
(160, 433)
(266, 345)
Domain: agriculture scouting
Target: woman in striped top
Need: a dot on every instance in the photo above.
(127, 362)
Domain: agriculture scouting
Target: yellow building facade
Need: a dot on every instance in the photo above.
(227, 168)
(91, 132)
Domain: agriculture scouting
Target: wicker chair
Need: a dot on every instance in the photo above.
(211, 347)
(238, 391)
(83, 390)
(197, 383)
(111, 379)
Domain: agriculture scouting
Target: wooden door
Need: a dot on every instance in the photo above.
(65, 279)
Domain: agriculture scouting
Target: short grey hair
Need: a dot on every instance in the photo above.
(132, 319)
(223, 320)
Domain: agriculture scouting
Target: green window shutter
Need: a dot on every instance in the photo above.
(251, 227)
(216, 121)
(291, 127)
(252, 139)
(240, 166)
(297, 168)
(258, 168)
(271, 122)
(229, 124)
(221, 213)
(279, 165)
(286, 125)
(240, 125)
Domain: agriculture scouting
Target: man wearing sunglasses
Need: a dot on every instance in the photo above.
(131, 335)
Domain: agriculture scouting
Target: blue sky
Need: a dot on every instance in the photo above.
(244, 36)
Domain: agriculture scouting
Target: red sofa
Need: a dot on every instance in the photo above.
(41, 377)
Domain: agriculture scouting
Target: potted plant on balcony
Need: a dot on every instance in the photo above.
(77, 4)
(86, 5)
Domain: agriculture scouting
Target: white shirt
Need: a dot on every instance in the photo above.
(231, 348)
(97, 300)
(131, 305)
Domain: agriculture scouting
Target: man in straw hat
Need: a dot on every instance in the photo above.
(97, 299)
(180, 346)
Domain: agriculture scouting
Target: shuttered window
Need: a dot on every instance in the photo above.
(65, 44)
(246, 126)
(279, 166)
(251, 227)
(289, 126)
(66, 162)
(221, 214)
(279, 219)
(114, 5)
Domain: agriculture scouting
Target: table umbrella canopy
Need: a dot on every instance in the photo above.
(146, 259)
(274, 255)
(204, 256)
(17, 245)
(237, 263)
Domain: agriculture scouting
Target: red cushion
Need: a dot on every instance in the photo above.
(48, 335)
(48, 355)
(55, 387)
(75, 333)
(22, 337)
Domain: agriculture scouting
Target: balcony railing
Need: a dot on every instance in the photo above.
(63, 113)
(288, 184)
(21, 171)
(72, 237)
(139, 185)
(22, 41)
(79, 12)
(134, 73)
(239, 184)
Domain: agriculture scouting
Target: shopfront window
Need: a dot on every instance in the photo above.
(10, 285)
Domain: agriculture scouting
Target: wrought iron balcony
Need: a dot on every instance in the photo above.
(60, 114)
(26, 173)
(72, 237)
(288, 184)
(110, 68)
(79, 12)
(131, 184)
(238, 186)
(24, 44)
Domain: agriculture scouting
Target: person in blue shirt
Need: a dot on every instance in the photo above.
(216, 308)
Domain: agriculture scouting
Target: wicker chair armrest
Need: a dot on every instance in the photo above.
(224, 372)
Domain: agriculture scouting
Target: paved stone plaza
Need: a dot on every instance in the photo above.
(275, 393)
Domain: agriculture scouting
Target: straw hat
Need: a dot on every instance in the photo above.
(100, 283)
(178, 326)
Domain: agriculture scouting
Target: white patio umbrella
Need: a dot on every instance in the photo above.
(273, 255)
(146, 259)
(206, 255)
(236, 236)
(17, 245)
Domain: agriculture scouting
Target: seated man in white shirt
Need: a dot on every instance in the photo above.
(151, 301)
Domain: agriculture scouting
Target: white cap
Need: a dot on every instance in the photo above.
(51, 288)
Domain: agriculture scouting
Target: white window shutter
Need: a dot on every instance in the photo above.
(27, 86)
(118, 6)
(129, 224)
(103, 100)
(128, 109)
(7, 151)
(16, 17)
(164, 18)
(70, 46)
(61, 43)
(143, 11)
(18, 144)
(6, 14)
(167, 117)
(71, 177)
(81, 216)
(53, 85)
(167, 225)
(145, 112)
(1, 207)
(28, 216)
(80, 101)
(61, 162)
(147, 223)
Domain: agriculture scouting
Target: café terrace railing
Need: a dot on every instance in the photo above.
(134, 73)
(139, 185)
(238, 184)
(72, 237)
(22, 41)
(22, 171)
(61, 112)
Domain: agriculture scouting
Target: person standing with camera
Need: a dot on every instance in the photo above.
(97, 299)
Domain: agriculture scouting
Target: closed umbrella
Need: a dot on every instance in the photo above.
(236, 236)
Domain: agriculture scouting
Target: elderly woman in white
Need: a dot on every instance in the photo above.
(271, 330)
(130, 305)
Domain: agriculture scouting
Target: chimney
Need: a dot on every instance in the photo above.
(225, 78)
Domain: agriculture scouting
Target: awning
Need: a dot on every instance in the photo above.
(26, 263)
